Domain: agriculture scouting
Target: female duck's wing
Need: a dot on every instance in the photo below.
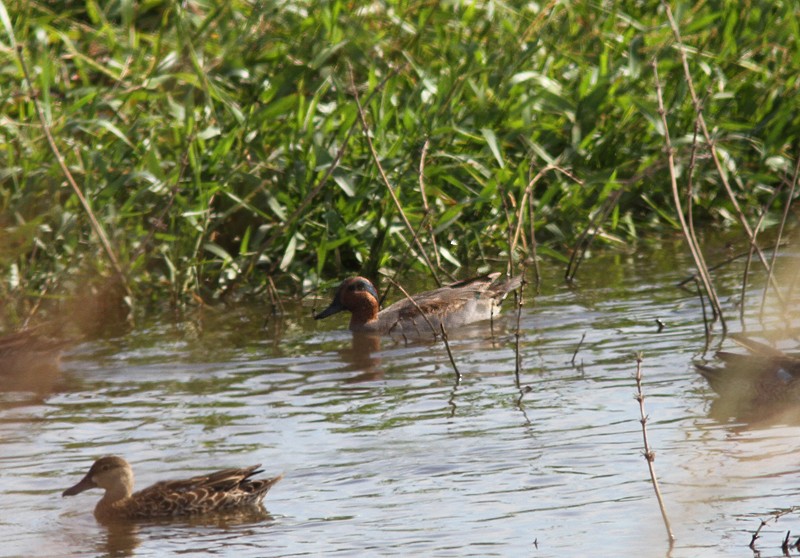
(221, 490)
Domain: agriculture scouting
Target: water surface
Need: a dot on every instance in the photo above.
(385, 453)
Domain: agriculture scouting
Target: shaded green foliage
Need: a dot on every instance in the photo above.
(202, 131)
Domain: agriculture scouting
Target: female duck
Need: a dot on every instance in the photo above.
(219, 491)
(460, 303)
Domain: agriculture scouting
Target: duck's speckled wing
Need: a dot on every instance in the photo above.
(455, 304)
(223, 490)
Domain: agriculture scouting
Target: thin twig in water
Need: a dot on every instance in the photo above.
(502, 195)
(452, 400)
(518, 354)
(275, 302)
(450, 353)
(518, 335)
(706, 325)
(522, 392)
(764, 522)
(578, 348)
(275, 299)
(650, 455)
(757, 535)
(376, 159)
(690, 216)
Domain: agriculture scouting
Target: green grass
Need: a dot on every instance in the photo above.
(205, 135)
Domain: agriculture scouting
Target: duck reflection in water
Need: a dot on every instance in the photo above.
(363, 355)
(762, 385)
(122, 538)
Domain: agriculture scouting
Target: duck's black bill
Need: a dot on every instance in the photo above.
(334, 308)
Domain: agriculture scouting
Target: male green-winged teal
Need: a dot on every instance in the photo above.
(763, 382)
(457, 304)
(219, 491)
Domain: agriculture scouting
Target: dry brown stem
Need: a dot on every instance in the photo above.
(450, 353)
(518, 335)
(301, 208)
(414, 302)
(649, 454)
(723, 263)
(787, 205)
(96, 226)
(433, 329)
(527, 202)
(534, 257)
(368, 137)
(578, 348)
(589, 233)
(688, 232)
(764, 522)
(712, 146)
(426, 219)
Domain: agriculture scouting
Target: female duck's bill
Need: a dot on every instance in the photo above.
(223, 490)
(454, 305)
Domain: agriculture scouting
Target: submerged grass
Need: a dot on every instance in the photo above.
(219, 144)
